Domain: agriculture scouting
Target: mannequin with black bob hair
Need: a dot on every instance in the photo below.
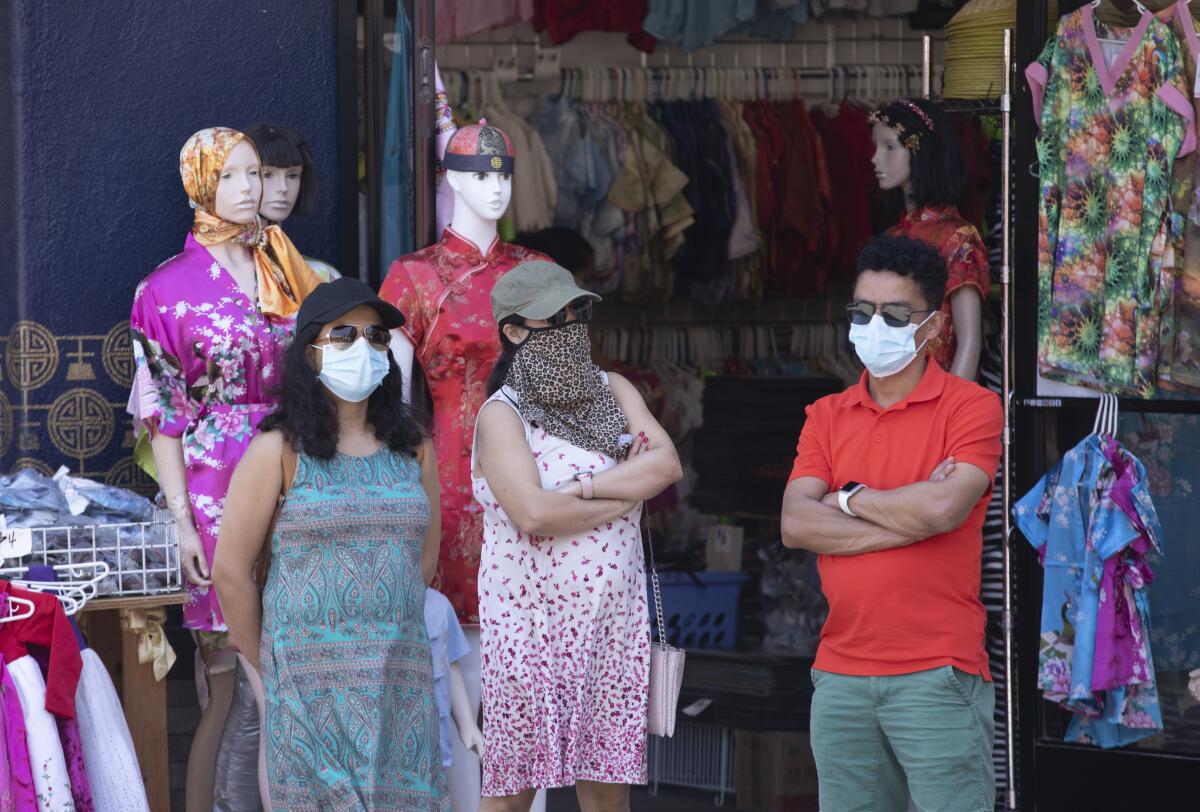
(920, 169)
(279, 147)
(308, 418)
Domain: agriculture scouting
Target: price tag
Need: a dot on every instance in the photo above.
(16, 542)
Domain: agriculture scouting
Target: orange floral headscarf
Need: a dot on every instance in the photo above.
(284, 278)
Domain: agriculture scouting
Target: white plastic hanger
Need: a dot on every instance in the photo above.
(18, 609)
(1107, 413)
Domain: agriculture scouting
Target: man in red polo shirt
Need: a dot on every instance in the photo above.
(890, 487)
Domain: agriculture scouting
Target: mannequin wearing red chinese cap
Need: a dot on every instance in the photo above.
(444, 292)
(917, 152)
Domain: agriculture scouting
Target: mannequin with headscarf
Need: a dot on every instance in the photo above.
(209, 327)
(917, 156)
(444, 293)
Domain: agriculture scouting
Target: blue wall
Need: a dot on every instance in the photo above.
(103, 99)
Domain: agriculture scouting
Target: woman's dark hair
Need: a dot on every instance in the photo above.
(281, 145)
(507, 351)
(565, 246)
(308, 417)
(936, 169)
(913, 259)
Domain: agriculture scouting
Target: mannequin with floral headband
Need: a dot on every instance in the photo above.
(917, 154)
(209, 329)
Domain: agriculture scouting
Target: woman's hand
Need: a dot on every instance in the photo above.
(191, 552)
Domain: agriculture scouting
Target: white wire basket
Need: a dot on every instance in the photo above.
(143, 557)
(697, 756)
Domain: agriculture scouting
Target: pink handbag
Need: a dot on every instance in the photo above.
(666, 667)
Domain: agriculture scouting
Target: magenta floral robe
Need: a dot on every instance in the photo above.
(207, 360)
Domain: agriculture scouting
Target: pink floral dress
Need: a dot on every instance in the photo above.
(207, 361)
(564, 640)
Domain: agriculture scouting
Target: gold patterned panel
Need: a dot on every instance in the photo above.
(117, 354)
(30, 462)
(6, 424)
(80, 423)
(31, 357)
(127, 474)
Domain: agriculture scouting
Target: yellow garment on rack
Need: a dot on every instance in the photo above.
(974, 58)
(152, 641)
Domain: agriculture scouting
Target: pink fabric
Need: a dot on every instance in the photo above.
(72, 745)
(459, 19)
(1171, 97)
(1108, 79)
(19, 781)
(1037, 77)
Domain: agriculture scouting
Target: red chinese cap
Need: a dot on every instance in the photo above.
(479, 148)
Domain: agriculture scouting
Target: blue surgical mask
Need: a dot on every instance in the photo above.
(353, 373)
(886, 350)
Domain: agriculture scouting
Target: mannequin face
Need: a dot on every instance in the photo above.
(281, 188)
(486, 194)
(240, 187)
(891, 160)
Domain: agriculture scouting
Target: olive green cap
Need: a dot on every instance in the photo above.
(536, 289)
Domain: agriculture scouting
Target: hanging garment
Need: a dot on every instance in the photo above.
(22, 793)
(459, 19)
(448, 645)
(845, 132)
(444, 293)
(1091, 507)
(50, 777)
(565, 640)
(350, 714)
(961, 246)
(563, 19)
(112, 764)
(1109, 137)
(206, 363)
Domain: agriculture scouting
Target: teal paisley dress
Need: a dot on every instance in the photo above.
(351, 715)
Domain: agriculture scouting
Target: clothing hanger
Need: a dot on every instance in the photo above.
(18, 609)
(1106, 416)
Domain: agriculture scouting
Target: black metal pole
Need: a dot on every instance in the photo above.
(347, 136)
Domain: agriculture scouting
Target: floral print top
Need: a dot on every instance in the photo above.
(961, 246)
(1110, 133)
(1092, 522)
(444, 292)
(206, 363)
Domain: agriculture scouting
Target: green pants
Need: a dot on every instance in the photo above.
(877, 740)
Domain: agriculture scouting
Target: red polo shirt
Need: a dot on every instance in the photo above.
(910, 608)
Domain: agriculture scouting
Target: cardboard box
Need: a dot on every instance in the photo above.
(775, 772)
(723, 548)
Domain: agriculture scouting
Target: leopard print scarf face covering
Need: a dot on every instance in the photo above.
(560, 390)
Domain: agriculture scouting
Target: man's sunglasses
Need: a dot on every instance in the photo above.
(894, 315)
(342, 336)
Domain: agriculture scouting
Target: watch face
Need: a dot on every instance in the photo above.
(849, 486)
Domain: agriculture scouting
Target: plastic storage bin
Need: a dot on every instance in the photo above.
(700, 609)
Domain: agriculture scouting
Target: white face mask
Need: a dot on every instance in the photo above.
(353, 373)
(886, 350)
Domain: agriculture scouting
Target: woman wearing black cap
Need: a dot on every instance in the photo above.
(351, 718)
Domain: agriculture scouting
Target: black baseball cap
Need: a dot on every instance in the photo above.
(332, 299)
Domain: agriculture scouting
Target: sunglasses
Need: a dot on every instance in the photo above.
(894, 315)
(342, 336)
(581, 309)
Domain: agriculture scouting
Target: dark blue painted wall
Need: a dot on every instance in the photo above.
(103, 97)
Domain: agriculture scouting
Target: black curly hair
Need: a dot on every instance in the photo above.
(505, 359)
(913, 259)
(307, 416)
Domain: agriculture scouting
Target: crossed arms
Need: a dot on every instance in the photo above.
(812, 519)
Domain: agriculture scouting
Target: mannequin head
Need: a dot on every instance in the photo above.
(917, 152)
(288, 171)
(485, 194)
(239, 187)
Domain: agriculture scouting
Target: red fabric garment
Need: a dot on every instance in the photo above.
(48, 627)
(444, 292)
(846, 134)
(966, 261)
(563, 19)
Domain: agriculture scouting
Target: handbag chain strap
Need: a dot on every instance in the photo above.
(662, 636)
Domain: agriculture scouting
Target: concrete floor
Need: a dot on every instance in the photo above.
(669, 799)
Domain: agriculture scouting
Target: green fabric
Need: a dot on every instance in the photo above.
(877, 740)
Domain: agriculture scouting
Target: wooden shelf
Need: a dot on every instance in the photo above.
(136, 602)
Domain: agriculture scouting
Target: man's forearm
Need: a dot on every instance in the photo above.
(822, 529)
(915, 511)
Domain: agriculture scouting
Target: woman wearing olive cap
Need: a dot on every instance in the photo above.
(565, 455)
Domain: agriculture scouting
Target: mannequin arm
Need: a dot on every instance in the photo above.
(168, 458)
(460, 711)
(433, 533)
(967, 308)
(402, 351)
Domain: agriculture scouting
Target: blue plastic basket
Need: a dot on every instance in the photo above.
(700, 609)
